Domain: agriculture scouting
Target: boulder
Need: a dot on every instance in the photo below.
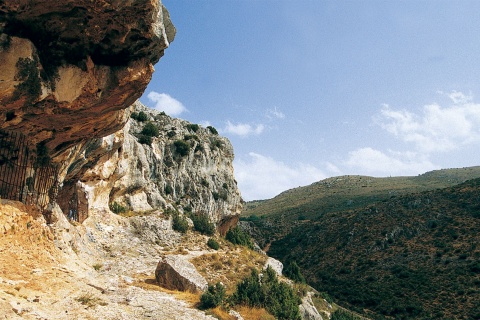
(276, 265)
(307, 308)
(176, 273)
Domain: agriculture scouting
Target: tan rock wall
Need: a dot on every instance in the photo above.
(71, 68)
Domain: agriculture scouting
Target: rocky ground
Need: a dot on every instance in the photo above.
(105, 267)
(109, 273)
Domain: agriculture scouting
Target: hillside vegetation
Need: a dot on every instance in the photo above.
(404, 257)
(275, 218)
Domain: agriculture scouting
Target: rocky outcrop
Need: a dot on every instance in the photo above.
(276, 265)
(71, 68)
(307, 308)
(176, 273)
(184, 165)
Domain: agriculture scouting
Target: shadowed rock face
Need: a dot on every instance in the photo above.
(70, 68)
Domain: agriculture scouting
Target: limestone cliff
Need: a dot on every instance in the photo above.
(184, 165)
(70, 68)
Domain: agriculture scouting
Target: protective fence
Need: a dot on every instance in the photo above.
(26, 175)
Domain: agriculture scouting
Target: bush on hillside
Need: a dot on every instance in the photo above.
(193, 127)
(117, 208)
(212, 130)
(150, 130)
(180, 224)
(212, 243)
(267, 292)
(341, 314)
(213, 297)
(145, 140)
(202, 224)
(139, 116)
(181, 147)
(237, 236)
(292, 271)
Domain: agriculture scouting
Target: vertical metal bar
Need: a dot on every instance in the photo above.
(17, 169)
(2, 167)
(45, 186)
(24, 177)
(41, 186)
(9, 169)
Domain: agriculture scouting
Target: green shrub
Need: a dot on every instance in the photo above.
(193, 127)
(276, 297)
(341, 314)
(188, 137)
(212, 243)
(202, 224)
(213, 297)
(199, 148)
(142, 116)
(168, 189)
(171, 133)
(249, 291)
(212, 130)
(292, 271)
(216, 143)
(180, 224)
(181, 147)
(170, 212)
(117, 208)
(204, 182)
(327, 297)
(223, 194)
(145, 140)
(237, 236)
(150, 130)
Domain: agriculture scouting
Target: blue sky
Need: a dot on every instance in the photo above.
(307, 90)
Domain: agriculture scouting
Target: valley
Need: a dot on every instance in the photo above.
(381, 246)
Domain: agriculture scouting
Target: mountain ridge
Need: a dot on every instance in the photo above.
(391, 256)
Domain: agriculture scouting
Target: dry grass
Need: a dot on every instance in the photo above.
(90, 301)
(229, 266)
(220, 313)
(193, 299)
(130, 213)
(254, 313)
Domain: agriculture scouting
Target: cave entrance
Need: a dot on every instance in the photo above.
(73, 201)
(26, 175)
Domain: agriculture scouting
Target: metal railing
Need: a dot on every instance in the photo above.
(24, 175)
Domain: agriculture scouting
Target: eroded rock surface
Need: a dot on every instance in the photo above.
(69, 69)
(176, 273)
(153, 176)
(275, 264)
(307, 308)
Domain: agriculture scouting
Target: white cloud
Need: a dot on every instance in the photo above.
(243, 129)
(164, 102)
(370, 161)
(436, 128)
(205, 123)
(459, 97)
(274, 113)
(261, 177)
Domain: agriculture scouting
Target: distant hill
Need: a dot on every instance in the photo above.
(382, 246)
(281, 213)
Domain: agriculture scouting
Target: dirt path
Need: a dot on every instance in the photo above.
(39, 281)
